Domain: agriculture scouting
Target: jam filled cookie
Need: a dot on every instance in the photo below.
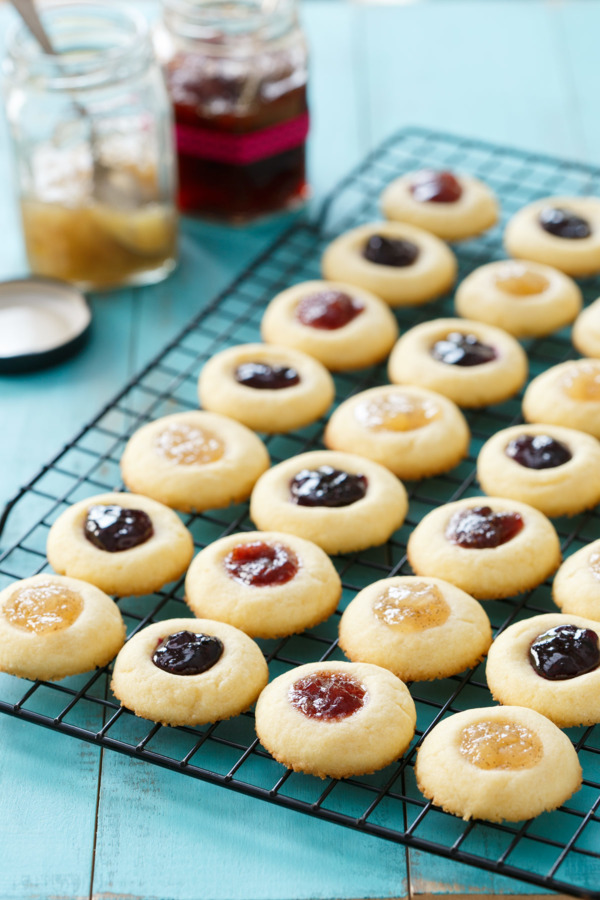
(411, 431)
(418, 628)
(336, 719)
(527, 299)
(586, 331)
(402, 264)
(567, 394)
(550, 663)
(555, 469)
(123, 543)
(488, 546)
(267, 388)
(563, 232)
(51, 627)
(189, 672)
(343, 326)
(576, 585)
(471, 363)
(340, 501)
(497, 763)
(266, 583)
(194, 461)
(453, 207)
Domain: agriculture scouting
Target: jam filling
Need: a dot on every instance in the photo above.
(328, 310)
(113, 528)
(327, 486)
(481, 528)
(538, 451)
(520, 281)
(386, 251)
(187, 653)
(396, 412)
(411, 608)
(258, 564)
(327, 695)
(564, 224)
(583, 383)
(501, 745)
(565, 652)
(43, 608)
(430, 186)
(185, 445)
(266, 377)
(458, 349)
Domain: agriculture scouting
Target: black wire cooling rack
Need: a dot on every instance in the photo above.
(560, 850)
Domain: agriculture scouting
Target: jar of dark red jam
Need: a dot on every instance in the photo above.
(236, 71)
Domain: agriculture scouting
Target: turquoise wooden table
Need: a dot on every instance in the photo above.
(76, 822)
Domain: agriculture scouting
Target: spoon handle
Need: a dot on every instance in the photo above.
(29, 14)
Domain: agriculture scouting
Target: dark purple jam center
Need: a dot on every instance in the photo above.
(258, 564)
(186, 653)
(565, 652)
(327, 695)
(113, 528)
(458, 349)
(481, 528)
(538, 451)
(264, 376)
(328, 310)
(564, 224)
(390, 251)
(327, 486)
(429, 186)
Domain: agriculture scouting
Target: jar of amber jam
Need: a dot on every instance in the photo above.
(95, 161)
(236, 71)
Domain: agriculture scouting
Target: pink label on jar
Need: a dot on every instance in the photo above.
(241, 149)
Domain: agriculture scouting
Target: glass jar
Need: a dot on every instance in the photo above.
(236, 71)
(92, 131)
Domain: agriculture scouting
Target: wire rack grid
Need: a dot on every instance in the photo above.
(557, 851)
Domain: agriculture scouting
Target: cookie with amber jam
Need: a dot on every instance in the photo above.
(123, 543)
(413, 432)
(567, 394)
(402, 264)
(550, 663)
(586, 331)
(336, 719)
(526, 299)
(265, 387)
(51, 627)
(490, 547)
(452, 206)
(189, 672)
(340, 501)
(576, 585)
(267, 583)
(340, 324)
(194, 461)
(418, 628)
(497, 763)
(471, 363)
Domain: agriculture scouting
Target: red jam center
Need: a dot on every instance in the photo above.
(328, 310)
(565, 652)
(327, 486)
(264, 376)
(327, 695)
(481, 528)
(386, 251)
(564, 224)
(429, 186)
(114, 529)
(258, 564)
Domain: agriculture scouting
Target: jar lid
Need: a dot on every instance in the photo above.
(42, 322)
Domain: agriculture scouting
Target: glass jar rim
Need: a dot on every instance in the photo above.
(237, 22)
(76, 68)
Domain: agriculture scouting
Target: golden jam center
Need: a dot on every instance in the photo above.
(583, 383)
(520, 281)
(411, 608)
(501, 745)
(186, 445)
(43, 607)
(396, 412)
